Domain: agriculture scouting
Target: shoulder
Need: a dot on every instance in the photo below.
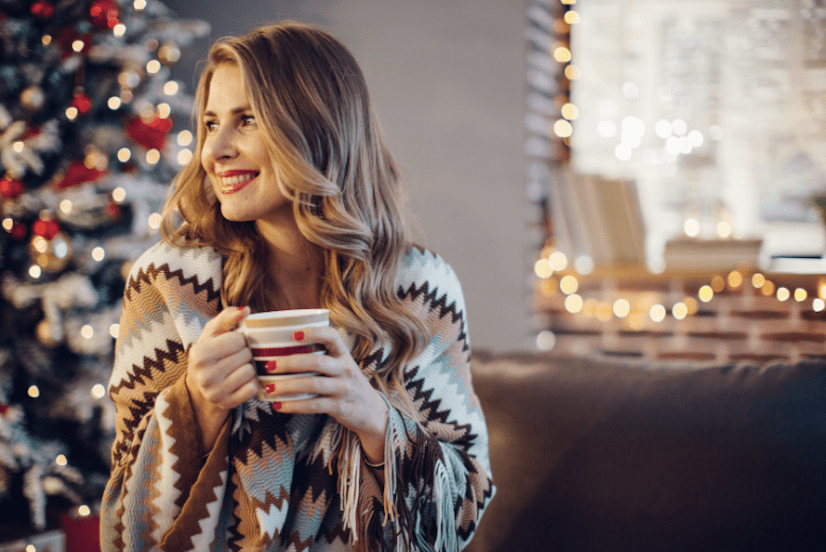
(165, 257)
(424, 272)
(165, 267)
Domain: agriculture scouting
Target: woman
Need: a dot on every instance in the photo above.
(292, 200)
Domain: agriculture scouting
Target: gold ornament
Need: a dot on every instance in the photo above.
(32, 98)
(51, 255)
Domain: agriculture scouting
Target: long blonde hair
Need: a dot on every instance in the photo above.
(332, 162)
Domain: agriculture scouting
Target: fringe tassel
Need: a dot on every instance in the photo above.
(349, 472)
(446, 535)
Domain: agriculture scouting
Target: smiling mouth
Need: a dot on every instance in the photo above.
(235, 182)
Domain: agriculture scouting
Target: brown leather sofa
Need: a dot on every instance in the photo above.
(592, 455)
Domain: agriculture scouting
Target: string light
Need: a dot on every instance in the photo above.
(87, 331)
(98, 391)
(153, 66)
(119, 30)
(34, 391)
(184, 138)
(114, 330)
(184, 156)
(84, 510)
(118, 194)
(783, 294)
(61, 460)
(573, 303)
(153, 156)
(558, 261)
(114, 103)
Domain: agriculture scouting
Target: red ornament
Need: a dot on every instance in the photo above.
(78, 173)
(42, 10)
(10, 188)
(82, 102)
(48, 228)
(113, 210)
(104, 14)
(67, 37)
(150, 133)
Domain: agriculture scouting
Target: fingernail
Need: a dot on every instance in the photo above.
(298, 336)
(269, 388)
(242, 312)
(276, 406)
(270, 366)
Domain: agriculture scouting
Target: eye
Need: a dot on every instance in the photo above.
(248, 120)
(210, 125)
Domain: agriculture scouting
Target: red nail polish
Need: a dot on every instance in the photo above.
(298, 336)
(276, 406)
(270, 366)
(269, 388)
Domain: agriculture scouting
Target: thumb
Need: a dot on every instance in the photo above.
(226, 320)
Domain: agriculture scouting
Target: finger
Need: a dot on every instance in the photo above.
(318, 385)
(317, 405)
(322, 364)
(223, 369)
(226, 320)
(327, 336)
(212, 350)
(242, 394)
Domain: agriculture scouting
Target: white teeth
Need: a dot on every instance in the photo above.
(232, 180)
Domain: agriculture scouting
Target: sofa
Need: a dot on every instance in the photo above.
(594, 454)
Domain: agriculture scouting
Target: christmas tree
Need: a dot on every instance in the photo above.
(92, 130)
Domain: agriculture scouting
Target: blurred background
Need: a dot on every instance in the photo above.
(634, 179)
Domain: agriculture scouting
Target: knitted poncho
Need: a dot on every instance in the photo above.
(275, 481)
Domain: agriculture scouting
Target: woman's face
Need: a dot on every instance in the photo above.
(234, 154)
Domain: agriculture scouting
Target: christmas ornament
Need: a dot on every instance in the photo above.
(32, 98)
(104, 14)
(18, 231)
(10, 188)
(82, 103)
(50, 254)
(46, 227)
(79, 173)
(150, 133)
(42, 10)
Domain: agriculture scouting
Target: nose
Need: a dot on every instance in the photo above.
(221, 145)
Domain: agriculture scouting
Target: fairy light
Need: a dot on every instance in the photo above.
(87, 332)
(71, 113)
(705, 293)
(35, 271)
(98, 254)
(724, 229)
(84, 510)
(119, 30)
(34, 391)
(768, 288)
(184, 156)
(604, 311)
(19, 146)
(170, 88)
(584, 264)
(657, 313)
(821, 290)
(114, 330)
(558, 260)
(46, 40)
(543, 269)
(691, 227)
(31, 548)
(139, 4)
(818, 304)
(184, 138)
(549, 287)
(621, 308)
(114, 103)
(691, 305)
(568, 284)
(124, 155)
(164, 111)
(98, 391)
(573, 303)
(800, 295)
(153, 156)
(735, 279)
(61, 460)
(153, 66)
(758, 280)
(563, 128)
(78, 45)
(570, 111)
(783, 294)
(8, 224)
(562, 54)
(155, 221)
(572, 17)
(573, 72)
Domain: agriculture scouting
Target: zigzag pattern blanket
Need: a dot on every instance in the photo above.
(277, 482)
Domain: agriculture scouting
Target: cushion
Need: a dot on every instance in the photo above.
(596, 455)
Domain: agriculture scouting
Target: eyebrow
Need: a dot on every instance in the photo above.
(234, 111)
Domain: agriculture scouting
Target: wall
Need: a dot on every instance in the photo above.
(447, 81)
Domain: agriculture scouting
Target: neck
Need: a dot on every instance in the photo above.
(296, 265)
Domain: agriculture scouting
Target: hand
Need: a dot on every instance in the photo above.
(220, 374)
(344, 392)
